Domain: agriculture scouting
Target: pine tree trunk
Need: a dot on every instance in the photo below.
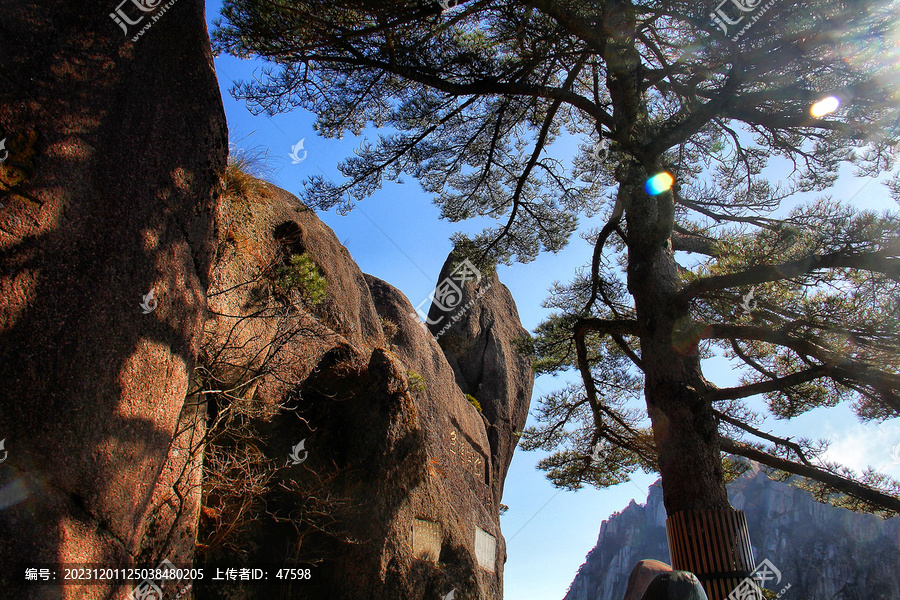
(713, 539)
(684, 427)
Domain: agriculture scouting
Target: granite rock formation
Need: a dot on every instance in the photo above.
(107, 193)
(397, 495)
(475, 321)
(674, 585)
(195, 369)
(823, 552)
(644, 572)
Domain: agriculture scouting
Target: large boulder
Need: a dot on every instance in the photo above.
(115, 155)
(475, 321)
(644, 572)
(676, 585)
(344, 441)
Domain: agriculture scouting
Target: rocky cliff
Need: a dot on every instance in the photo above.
(823, 552)
(113, 158)
(196, 371)
(397, 493)
(475, 321)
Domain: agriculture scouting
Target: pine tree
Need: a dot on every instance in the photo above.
(680, 108)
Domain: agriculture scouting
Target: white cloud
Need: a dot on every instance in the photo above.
(863, 446)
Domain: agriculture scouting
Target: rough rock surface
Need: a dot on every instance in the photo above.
(395, 480)
(643, 573)
(823, 552)
(477, 325)
(115, 155)
(675, 585)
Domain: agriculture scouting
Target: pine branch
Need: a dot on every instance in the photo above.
(852, 488)
(838, 365)
(686, 241)
(878, 262)
(763, 387)
(787, 443)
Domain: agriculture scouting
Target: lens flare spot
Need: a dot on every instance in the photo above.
(825, 106)
(659, 183)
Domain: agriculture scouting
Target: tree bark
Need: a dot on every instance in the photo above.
(684, 424)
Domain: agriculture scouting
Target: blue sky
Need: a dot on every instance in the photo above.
(397, 236)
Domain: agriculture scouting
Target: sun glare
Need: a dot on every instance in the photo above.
(823, 107)
(659, 183)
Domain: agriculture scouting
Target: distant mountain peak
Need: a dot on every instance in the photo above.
(824, 552)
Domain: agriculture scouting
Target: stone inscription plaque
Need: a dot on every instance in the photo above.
(426, 536)
(485, 549)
